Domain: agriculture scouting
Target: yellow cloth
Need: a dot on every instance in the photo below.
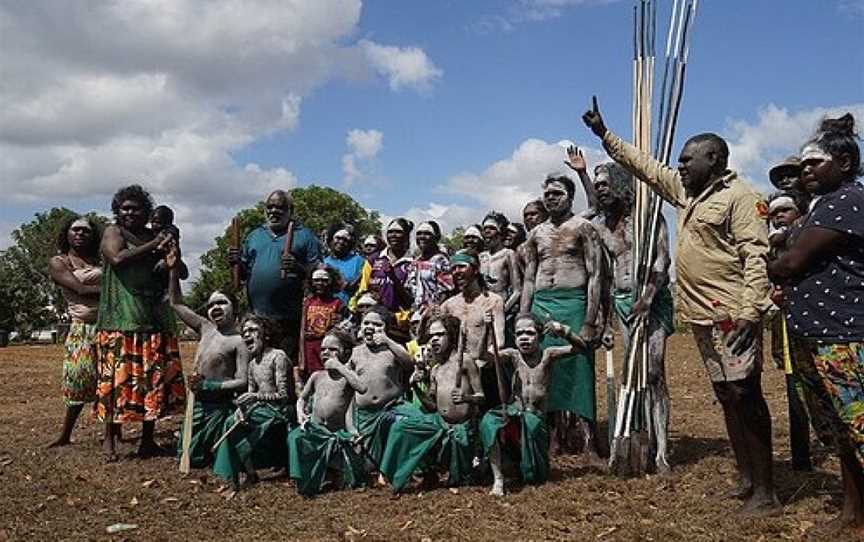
(722, 238)
(787, 356)
(365, 276)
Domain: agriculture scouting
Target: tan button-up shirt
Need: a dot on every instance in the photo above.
(722, 239)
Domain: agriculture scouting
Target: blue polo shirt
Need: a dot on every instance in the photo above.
(269, 295)
(350, 267)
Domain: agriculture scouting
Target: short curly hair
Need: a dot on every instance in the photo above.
(134, 192)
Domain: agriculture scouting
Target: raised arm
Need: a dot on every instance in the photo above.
(558, 329)
(189, 317)
(576, 161)
(117, 254)
(402, 356)
(350, 376)
(663, 179)
(63, 276)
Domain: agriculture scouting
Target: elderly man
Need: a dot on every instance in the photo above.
(722, 250)
(274, 279)
(563, 268)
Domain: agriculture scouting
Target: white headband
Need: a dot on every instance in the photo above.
(491, 223)
(427, 227)
(782, 202)
(320, 274)
(814, 152)
(472, 230)
(342, 233)
(370, 239)
(81, 223)
(395, 225)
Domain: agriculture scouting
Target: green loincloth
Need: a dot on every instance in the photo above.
(533, 440)
(572, 384)
(263, 438)
(426, 440)
(208, 424)
(314, 448)
(374, 426)
(661, 307)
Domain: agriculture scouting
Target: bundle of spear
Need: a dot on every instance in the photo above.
(631, 447)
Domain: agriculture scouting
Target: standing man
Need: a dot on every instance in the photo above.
(563, 264)
(721, 270)
(262, 262)
(612, 214)
(501, 270)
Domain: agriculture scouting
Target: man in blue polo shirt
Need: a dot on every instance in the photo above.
(262, 262)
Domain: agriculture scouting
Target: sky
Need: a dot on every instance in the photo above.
(443, 109)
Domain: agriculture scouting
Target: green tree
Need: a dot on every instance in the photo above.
(29, 296)
(316, 207)
(453, 242)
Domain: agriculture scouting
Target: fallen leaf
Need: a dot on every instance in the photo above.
(134, 501)
(51, 497)
(454, 490)
(407, 524)
(120, 527)
(148, 483)
(607, 532)
(197, 482)
(169, 500)
(6, 461)
(228, 495)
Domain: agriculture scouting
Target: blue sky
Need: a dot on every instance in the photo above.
(457, 105)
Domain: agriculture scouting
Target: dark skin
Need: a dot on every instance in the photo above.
(748, 421)
(341, 245)
(131, 219)
(533, 215)
(397, 247)
(278, 210)
(820, 176)
(79, 238)
(700, 165)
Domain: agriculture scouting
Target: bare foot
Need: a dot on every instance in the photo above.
(498, 488)
(146, 450)
(61, 441)
(109, 451)
(664, 469)
(743, 491)
(761, 506)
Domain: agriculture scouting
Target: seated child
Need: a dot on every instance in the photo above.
(324, 439)
(446, 436)
(257, 432)
(382, 365)
(522, 423)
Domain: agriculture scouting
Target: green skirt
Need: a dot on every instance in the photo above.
(427, 441)
(374, 426)
(208, 424)
(314, 448)
(526, 433)
(262, 439)
(572, 387)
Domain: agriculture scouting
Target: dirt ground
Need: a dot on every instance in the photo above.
(71, 494)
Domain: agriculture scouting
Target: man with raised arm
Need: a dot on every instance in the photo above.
(612, 214)
(563, 267)
(221, 362)
(721, 272)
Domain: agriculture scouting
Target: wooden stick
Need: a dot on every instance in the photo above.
(286, 249)
(185, 459)
(499, 375)
(611, 414)
(235, 244)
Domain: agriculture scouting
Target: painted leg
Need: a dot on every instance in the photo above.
(589, 440)
(497, 475)
(108, 442)
(660, 394)
(72, 412)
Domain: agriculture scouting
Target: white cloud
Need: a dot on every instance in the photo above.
(505, 186)
(363, 147)
(517, 12)
(403, 66)
(99, 94)
(756, 146)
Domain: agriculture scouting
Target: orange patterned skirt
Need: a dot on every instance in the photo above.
(140, 376)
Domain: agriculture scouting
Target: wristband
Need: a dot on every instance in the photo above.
(211, 385)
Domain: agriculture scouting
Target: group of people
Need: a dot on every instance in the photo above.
(408, 363)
